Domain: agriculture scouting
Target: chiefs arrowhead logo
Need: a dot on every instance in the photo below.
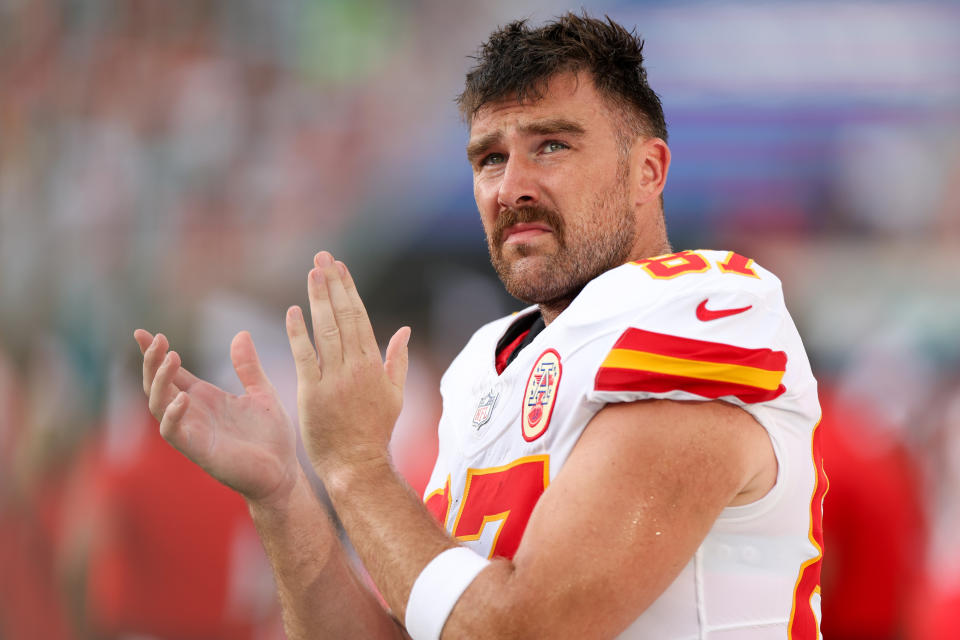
(540, 395)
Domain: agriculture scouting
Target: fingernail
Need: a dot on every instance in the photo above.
(324, 259)
(342, 268)
(317, 275)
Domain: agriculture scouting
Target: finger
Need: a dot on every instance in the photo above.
(326, 333)
(368, 340)
(152, 359)
(398, 357)
(183, 380)
(246, 363)
(345, 313)
(163, 391)
(304, 357)
(143, 338)
(171, 426)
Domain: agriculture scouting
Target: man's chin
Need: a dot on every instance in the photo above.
(534, 279)
(529, 267)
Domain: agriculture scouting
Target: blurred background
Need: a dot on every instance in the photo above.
(175, 165)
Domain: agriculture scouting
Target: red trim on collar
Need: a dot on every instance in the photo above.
(503, 356)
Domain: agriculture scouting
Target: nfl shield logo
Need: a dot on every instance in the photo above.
(484, 410)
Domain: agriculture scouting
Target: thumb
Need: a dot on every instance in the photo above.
(398, 357)
(247, 364)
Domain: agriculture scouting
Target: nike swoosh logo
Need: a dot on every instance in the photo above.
(707, 315)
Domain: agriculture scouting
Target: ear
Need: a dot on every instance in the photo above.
(650, 160)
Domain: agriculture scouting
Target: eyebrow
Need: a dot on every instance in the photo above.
(476, 148)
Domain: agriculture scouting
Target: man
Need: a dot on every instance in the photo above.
(632, 456)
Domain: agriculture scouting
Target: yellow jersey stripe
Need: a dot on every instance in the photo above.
(717, 371)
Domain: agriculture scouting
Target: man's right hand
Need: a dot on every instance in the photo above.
(246, 442)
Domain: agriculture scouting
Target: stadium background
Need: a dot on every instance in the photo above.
(174, 166)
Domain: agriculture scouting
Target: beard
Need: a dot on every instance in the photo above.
(584, 249)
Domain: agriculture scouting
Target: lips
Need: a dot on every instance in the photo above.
(524, 231)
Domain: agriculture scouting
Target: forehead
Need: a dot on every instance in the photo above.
(569, 96)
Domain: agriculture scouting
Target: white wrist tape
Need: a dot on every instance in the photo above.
(437, 589)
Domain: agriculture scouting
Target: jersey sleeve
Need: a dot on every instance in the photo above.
(709, 335)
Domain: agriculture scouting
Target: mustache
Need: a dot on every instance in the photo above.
(534, 213)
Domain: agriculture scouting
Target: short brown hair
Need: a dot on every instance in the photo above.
(517, 61)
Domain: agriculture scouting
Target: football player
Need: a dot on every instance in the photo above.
(634, 455)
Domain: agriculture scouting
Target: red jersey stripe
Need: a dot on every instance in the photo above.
(610, 379)
(688, 348)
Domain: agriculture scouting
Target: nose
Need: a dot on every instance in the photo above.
(519, 185)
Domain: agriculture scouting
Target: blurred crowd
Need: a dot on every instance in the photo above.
(175, 166)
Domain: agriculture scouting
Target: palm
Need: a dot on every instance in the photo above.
(246, 442)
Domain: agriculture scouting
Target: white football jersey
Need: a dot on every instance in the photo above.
(694, 325)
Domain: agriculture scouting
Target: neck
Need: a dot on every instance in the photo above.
(653, 242)
(552, 308)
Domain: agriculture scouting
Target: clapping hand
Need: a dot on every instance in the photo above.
(247, 442)
(348, 397)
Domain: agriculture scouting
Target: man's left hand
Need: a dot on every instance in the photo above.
(348, 397)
